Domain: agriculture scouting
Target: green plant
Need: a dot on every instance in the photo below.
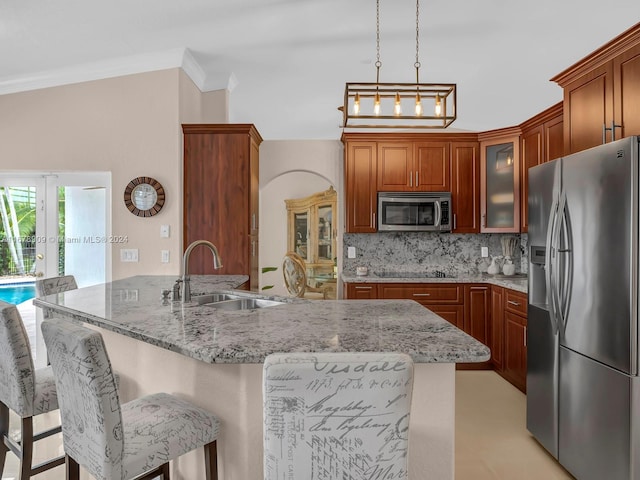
(267, 270)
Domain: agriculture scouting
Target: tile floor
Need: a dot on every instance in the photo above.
(492, 442)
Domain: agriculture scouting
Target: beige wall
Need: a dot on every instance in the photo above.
(292, 169)
(127, 125)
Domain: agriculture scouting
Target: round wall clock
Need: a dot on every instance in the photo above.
(144, 196)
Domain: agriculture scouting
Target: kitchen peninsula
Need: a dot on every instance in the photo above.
(214, 357)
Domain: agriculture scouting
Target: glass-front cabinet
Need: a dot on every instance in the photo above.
(312, 231)
(500, 188)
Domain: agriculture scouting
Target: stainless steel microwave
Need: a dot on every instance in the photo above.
(414, 211)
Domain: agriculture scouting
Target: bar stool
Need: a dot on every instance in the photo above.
(336, 415)
(110, 440)
(26, 391)
(49, 286)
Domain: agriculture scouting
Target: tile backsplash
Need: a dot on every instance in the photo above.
(453, 254)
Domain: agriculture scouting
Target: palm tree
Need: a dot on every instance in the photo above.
(18, 221)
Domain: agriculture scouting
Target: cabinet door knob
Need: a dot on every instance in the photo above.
(363, 288)
(417, 182)
(421, 294)
(513, 303)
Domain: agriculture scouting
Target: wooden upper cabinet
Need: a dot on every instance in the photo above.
(395, 166)
(500, 180)
(540, 142)
(413, 166)
(221, 176)
(602, 94)
(432, 164)
(386, 162)
(626, 92)
(465, 186)
(361, 195)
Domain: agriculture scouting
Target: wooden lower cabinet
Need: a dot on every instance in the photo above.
(493, 315)
(361, 291)
(476, 312)
(451, 313)
(515, 350)
(496, 333)
(514, 365)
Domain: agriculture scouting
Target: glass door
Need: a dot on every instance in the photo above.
(22, 237)
(500, 172)
(325, 251)
(301, 225)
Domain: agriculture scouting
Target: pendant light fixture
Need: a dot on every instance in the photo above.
(398, 105)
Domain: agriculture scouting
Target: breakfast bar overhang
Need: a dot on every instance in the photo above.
(214, 358)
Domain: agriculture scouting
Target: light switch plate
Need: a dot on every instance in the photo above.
(164, 231)
(484, 252)
(351, 252)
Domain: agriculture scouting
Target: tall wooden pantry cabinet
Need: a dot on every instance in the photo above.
(221, 197)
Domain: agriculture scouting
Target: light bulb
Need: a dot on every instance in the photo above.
(397, 109)
(438, 108)
(376, 104)
(509, 160)
(356, 105)
(418, 105)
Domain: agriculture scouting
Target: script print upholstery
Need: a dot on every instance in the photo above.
(337, 416)
(48, 286)
(111, 441)
(25, 390)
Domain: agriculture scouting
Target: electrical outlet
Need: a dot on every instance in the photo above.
(484, 252)
(128, 254)
(351, 252)
(164, 256)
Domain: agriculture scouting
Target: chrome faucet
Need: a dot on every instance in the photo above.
(217, 263)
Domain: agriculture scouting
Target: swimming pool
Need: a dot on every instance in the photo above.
(17, 292)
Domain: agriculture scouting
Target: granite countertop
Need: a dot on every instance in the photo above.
(515, 282)
(134, 307)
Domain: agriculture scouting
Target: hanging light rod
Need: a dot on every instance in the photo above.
(398, 105)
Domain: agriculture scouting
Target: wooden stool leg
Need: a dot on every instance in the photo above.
(4, 431)
(72, 468)
(211, 460)
(27, 448)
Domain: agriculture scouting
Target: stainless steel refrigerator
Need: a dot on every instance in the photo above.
(583, 390)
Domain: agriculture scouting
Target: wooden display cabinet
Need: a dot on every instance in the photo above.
(311, 229)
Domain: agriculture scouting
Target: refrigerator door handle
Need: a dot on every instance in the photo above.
(567, 273)
(550, 270)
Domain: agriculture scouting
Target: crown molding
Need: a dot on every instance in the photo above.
(117, 67)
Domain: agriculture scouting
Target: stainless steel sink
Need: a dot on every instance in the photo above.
(244, 304)
(214, 297)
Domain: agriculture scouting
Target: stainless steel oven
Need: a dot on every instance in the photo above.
(414, 211)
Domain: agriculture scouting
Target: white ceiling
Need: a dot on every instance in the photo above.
(287, 61)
